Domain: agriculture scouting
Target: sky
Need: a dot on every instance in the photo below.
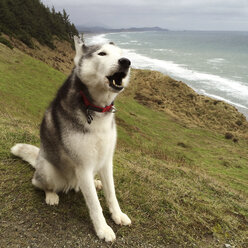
(171, 14)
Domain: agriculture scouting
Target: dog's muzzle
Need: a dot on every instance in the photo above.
(115, 80)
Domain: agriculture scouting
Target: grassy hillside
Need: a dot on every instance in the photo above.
(183, 186)
(157, 91)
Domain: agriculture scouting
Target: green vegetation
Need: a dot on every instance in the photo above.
(6, 42)
(27, 19)
(182, 186)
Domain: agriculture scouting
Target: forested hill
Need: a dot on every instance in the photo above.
(27, 19)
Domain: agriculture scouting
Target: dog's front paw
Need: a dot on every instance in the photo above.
(121, 219)
(106, 233)
(98, 184)
(52, 198)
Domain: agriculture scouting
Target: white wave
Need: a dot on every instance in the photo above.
(237, 77)
(96, 39)
(228, 101)
(215, 61)
(163, 50)
(124, 35)
(180, 71)
(222, 99)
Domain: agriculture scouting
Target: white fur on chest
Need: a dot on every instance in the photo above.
(95, 147)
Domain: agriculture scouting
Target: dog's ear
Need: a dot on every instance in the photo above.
(79, 47)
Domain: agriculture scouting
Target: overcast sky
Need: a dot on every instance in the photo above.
(172, 14)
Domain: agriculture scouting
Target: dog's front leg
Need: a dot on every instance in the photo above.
(106, 175)
(87, 186)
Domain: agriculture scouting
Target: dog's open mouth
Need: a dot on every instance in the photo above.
(115, 81)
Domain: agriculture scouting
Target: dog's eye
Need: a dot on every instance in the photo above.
(102, 54)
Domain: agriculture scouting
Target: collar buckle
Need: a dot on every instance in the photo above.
(113, 109)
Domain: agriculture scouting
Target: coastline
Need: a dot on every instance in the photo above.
(179, 73)
(61, 59)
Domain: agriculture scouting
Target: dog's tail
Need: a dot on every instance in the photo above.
(27, 152)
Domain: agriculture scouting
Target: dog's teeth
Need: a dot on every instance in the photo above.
(117, 85)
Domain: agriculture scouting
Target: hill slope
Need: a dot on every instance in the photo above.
(182, 186)
(155, 90)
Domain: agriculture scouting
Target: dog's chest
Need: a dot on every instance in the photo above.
(95, 147)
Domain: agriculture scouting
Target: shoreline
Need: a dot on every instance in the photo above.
(101, 38)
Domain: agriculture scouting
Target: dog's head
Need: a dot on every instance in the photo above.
(101, 66)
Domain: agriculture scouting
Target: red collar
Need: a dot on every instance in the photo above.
(93, 107)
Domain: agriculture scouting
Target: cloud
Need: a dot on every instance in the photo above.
(167, 3)
(180, 14)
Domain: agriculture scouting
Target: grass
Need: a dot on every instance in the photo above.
(182, 186)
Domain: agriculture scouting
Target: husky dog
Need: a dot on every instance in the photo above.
(78, 134)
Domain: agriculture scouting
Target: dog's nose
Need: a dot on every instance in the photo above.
(124, 62)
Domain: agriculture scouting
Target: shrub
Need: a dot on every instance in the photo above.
(6, 42)
(228, 136)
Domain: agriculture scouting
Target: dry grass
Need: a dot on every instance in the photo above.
(60, 58)
(155, 90)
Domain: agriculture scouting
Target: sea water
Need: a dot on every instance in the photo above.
(212, 63)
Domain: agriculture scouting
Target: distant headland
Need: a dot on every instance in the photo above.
(98, 29)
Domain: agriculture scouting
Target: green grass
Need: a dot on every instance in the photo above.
(181, 186)
(156, 134)
(24, 78)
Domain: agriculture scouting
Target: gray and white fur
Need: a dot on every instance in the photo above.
(73, 151)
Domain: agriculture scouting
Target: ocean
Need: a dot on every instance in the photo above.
(212, 63)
